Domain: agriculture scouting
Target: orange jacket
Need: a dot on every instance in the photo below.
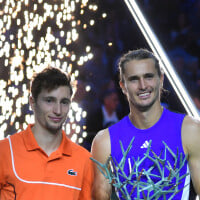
(27, 173)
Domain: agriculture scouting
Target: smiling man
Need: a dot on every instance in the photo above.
(41, 162)
(141, 80)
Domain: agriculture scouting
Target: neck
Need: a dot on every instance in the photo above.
(145, 119)
(48, 142)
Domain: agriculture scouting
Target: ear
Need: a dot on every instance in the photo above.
(32, 102)
(161, 80)
(121, 83)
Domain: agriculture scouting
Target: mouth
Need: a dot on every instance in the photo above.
(56, 119)
(144, 95)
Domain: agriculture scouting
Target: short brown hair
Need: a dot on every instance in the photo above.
(50, 78)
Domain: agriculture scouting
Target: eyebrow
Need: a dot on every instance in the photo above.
(66, 99)
(149, 75)
(134, 77)
(146, 75)
(54, 98)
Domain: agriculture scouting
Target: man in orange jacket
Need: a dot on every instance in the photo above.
(41, 162)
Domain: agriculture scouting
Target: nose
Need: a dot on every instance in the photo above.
(142, 84)
(57, 109)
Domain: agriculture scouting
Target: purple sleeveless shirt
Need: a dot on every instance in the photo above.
(168, 130)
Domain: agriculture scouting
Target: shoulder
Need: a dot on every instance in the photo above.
(4, 144)
(101, 148)
(171, 114)
(102, 137)
(191, 124)
(79, 150)
(14, 141)
(190, 134)
(81, 155)
(4, 149)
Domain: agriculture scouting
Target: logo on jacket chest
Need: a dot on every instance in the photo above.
(71, 172)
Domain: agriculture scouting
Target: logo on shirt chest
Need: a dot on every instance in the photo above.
(145, 145)
(71, 172)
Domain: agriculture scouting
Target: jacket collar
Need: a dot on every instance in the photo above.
(31, 143)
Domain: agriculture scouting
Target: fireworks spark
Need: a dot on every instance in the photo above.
(33, 35)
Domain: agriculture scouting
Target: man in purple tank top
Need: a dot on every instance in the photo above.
(141, 80)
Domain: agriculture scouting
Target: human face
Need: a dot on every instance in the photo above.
(51, 109)
(111, 102)
(141, 84)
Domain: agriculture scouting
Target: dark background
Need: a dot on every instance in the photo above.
(175, 22)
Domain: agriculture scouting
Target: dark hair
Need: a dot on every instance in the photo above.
(138, 54)
(50, 78)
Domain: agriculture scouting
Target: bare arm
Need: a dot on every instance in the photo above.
(100, 152)
(191, 145)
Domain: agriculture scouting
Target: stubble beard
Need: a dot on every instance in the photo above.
(144, 108)
(54, 129)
